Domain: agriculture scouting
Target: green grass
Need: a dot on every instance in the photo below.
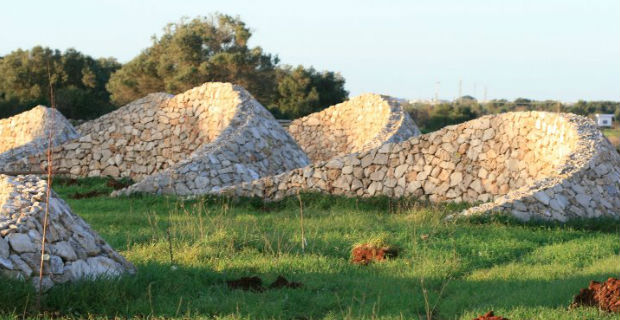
(463, 268)
(613, 134)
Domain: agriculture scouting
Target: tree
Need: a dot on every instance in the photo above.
(215, 48)
(192, 52)
(78, 80)
(303, 91)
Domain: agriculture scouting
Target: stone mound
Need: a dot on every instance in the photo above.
(364, 122)
(27, 133)
(531, 164)
(73, 250)
(210, 136)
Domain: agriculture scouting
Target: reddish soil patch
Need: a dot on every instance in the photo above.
(605, 296)
(90, 194)
(490, 316)
(117, 184)
(281, 282)
(247, 284)
(366, 253)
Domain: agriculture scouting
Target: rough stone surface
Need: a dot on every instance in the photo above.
(73, 250)
(210, 136)
(532, 164)
(364, 122)
(27, 133)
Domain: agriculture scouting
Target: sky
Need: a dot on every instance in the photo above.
(541, 49)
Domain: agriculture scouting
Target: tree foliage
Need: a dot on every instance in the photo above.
(302, 91)
(192, 52)
(78, 80)
(433, 117)
(215, 48)
(187, 54)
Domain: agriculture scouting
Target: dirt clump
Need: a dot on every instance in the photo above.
(490, 316)
(256, 284)
(247, 284)
(367, 253)
(89, 194)
(605, 296)
(67, 181)
(118, 184)
(281, 282)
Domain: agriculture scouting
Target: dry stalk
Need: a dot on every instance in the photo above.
(301, 223)
(49, 186)
(170, 244)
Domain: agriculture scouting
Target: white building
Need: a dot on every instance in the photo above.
(604, 120)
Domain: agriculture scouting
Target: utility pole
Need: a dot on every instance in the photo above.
(460, 89)
(485, 94)
(475, 88)
(437, 91)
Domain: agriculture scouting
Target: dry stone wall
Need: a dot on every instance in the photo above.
(213, 135)
(73, 251)
(364, 122)
(531, 164)
(27, 133)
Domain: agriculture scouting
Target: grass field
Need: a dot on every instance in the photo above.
(613, 134)
(445, 270)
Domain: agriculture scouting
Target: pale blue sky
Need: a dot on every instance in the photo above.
(542, 49)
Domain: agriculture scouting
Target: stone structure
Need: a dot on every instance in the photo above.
(27, 133)
(73, 250)
(531, 164)
(207, 137)
(362, 123)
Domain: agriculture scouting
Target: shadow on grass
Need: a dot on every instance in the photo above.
(605, 225)
(361, 292)
(482, 295)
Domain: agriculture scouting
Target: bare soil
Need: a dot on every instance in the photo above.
(90, 194)
(367, 253)
(118, 184)
(256, 284)
(605, 296)
(247, 284)
(281, 282)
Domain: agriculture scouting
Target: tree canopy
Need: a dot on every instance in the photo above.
(187, 54)
(78, 80)
(192, 52)
(431, 117)
(215, 48)
(302, 91)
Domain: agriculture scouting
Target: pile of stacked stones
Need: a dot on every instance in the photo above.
(532, 164)
(72, 249)
(210, 136)
(28, 133)
(252, 145)
(362, 123)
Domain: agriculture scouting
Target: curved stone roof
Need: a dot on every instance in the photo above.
(531, 164)
(252, 146)
(210, 136)
(364, 122)
(27, 133)
(73, 250)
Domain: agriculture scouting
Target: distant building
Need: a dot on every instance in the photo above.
(604, 120)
